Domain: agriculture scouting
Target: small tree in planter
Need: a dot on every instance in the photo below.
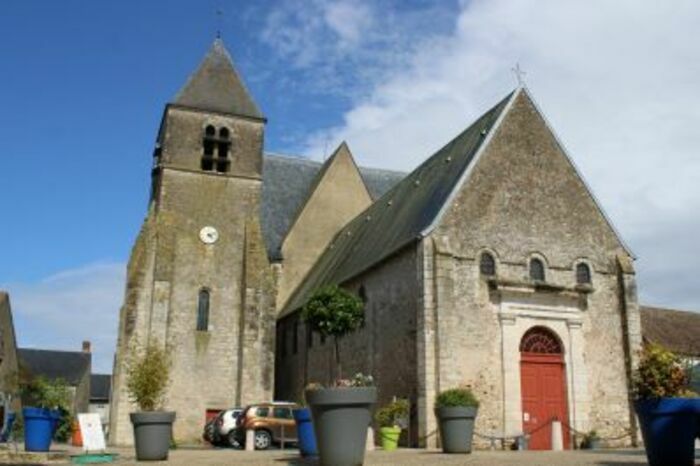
(148, 375)
(667, 410)
(391, 419)
(46, 400)
(456, 411)
(342, 413)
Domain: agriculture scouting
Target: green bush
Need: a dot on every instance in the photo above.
(393, 414)
(54, 394)
(659, 374)
(456, 397)
(333, 311)
(148, 375)
(44, 393)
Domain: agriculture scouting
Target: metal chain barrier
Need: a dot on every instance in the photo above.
(520, 439)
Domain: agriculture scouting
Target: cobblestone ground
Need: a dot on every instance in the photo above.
(406, 457)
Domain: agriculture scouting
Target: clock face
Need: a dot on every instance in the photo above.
(208, 235)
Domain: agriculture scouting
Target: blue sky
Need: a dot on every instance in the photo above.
(83, 85)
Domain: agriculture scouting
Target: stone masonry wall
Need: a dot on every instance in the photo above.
(522, 200)
(231, 363)
(385, 347)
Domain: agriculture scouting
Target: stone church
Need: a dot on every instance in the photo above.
(490, 265)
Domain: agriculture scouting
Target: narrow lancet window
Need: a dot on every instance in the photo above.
(487, 265)
(537, 270)
(583, 274)
(203, 310)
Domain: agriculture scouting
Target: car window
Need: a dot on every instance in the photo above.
(262, 412)
(282, 413)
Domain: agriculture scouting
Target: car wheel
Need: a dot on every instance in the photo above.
(263, 440)
(232, 439)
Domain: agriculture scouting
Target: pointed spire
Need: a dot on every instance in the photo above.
(216, 86)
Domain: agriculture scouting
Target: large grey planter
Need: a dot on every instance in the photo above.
(456, 428)
(341, 417)
(152, 434)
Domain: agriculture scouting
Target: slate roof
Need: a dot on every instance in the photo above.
(678, 331)
(401, 215)
(67, 365)
(287, 181)
(100, 386)
(216, 86)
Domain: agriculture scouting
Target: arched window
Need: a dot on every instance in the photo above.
(540, 340)
(536, 269)
(487, 264)
(583, 274)
(223, 145)
(203, 310)
(208, 145)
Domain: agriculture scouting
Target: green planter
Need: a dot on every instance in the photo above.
(389, 437)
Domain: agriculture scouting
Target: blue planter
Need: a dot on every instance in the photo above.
(305, 432)
(39, 426)
(669, 427)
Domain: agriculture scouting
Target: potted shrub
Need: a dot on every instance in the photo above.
(590, 441)
(391, 419)
(456, 411)
(46, 400)
(342, 412)
(305, 431)
(668, 412)
(148, 374)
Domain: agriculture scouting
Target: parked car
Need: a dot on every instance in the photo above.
(272, 422)
(211, 433)
(225, 426)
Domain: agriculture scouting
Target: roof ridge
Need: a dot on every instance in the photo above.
(54, 350)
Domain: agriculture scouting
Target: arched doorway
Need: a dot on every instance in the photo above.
(543, 386)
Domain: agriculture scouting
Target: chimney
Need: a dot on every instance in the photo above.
(86, 346)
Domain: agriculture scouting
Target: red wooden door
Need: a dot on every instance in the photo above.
(543, 389)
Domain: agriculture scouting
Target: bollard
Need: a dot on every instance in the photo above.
(370, 439)
(557, 438)
(249, 440)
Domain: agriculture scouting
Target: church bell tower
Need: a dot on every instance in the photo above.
(199, 281)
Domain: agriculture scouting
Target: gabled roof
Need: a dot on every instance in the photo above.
(342, 151)
(100, 387)
(216, 86)
(403, 214)
(678, 331)
(67, 365)
(287, 181)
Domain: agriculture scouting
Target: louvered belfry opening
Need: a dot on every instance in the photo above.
(216, 149)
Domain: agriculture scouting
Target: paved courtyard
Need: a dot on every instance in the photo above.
(205, 457)
(220, 457)
(408, 457)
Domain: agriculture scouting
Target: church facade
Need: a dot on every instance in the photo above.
(490, 265)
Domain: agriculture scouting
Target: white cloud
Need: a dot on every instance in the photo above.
(620, 82)
(340, 46)
(349, 20)
(60, 311)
